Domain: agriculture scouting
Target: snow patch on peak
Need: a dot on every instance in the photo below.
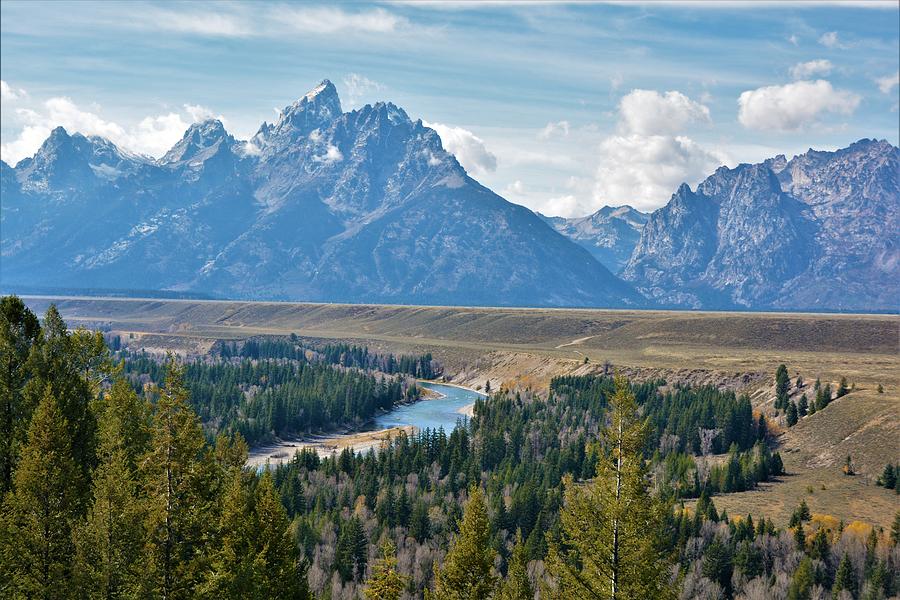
(324, 85)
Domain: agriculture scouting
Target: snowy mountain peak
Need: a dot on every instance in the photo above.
(324, 87)
(205, 137)
(313, 110)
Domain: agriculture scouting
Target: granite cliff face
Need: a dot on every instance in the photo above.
(817, 232)
(361, 206)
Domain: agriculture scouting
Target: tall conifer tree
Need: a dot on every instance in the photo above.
(467, 570)
(611, 528)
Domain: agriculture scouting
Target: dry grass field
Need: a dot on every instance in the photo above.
(526, 347)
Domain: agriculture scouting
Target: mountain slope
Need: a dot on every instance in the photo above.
(816, 232)
(610, 234)
(362, 206)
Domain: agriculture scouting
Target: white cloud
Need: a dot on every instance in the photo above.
(644, 170)
(811, 68)
(793, 106)
(152, 135)
(205, 23)
(328, 20)
(560, 128)
(358, 87)
(332, 155)
(888, 82)
(9, 93)
(648, 112)
(200, 113)
(515, 189)
(830, 40)
(794, 40)
(563, 206)
(469, 149)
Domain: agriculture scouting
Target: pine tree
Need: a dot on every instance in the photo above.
(844, 578)
(842, 387)
(895, 530)
(235, 572)
(612, 528)
(69, 363)
(19, 331)
(175, 476)
(791, 414)
(276, 553)
(802, 582)
(517, 585)
(420, 523)
(800, 538)
(718, 564)
(782, 384)
(467, 570)
(38, 516)
(109, 542)
(888, 477)
(803, 406)
(820, 547)
(386, 583)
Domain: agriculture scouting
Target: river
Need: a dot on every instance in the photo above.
(450, 407)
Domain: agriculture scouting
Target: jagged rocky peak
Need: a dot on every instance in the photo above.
(204, 137)
(317, 107)
(64, 157)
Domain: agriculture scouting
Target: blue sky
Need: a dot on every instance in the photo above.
(561, 107)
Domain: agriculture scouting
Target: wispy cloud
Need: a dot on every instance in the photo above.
(831, 40)
(325, 20)
(212, 22)
(888, 82)
(558, 128)
(811, 68)
(358, 87)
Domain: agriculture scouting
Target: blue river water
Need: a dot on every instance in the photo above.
(431, 412)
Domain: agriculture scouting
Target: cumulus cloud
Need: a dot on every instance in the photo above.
(563, 206)
(200, 113)
(830, 40)
(644, 170)
(793, 106)
(358, 87)
(469, 149)
(559, 128)
(648, 112)
(9, 93)
(152, 135)
(811, 68)
(888, 82)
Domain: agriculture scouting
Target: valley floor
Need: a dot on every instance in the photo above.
(527, 347)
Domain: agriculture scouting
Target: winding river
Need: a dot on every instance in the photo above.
(452, 406)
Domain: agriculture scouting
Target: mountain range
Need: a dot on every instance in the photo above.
(367, 206)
